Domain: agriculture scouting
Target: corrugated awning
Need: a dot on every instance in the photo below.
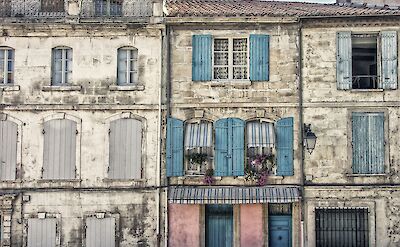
(233, 195)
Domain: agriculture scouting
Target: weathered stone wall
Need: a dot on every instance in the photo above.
(92, 100)
(273, 99)
(329, 111)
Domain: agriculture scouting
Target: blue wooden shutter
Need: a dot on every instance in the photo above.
(174, 147)
(259, 57)
(284, 146)
(343, 61)
(201, 57)
(221, 147)
(237, 141)
(389, 59)
(368, 143)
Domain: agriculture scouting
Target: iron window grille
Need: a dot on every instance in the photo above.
(6, 65)
(230, 59)
(341, 227)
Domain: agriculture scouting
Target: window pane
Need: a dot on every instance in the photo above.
(198, 135)
(121, 67)
(221, 58)
(239, 44)
(57, 53)
(10, 78)
(239, 73)
(100, 7)
(221, 73)
(116, 7)
(239, 58)
(221, 45)
(134, 77)
(260, 134)
(10, 54)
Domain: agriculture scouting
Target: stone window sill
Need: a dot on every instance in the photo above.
(366, 175)
(117, 180)
(62, 88)
(8, 88)
(366, 90)
(137, 87)
(233, 83)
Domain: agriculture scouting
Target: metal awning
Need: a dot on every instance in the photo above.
(233, 195)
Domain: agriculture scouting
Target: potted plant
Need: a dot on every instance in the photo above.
(259, 168)
(208, 177)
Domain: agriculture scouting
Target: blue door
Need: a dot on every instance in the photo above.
(219, 226)
(280, 230)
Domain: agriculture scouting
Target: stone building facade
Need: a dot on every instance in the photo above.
(80, 123)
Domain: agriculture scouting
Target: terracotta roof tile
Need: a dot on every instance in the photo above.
(231, 8)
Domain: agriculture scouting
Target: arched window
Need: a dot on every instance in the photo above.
(6, 65)
(125, 149)
(127, 66)
(198, 144)
(59, 151)
(61, 66)
(8, 149)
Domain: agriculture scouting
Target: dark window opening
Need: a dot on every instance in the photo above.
(280, 209)
(364, 61)
(52, 6)
(344, 227)
(5, 8)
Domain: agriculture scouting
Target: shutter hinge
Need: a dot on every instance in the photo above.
(43, 131)
(109, 131)
(76, 132)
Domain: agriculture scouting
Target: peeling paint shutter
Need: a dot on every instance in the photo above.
(125, 149)
(284, 146)
(343, 61)
(100, 232)
(174, 147)
(8, 150)
(368, 143)
(59, 149)
(221, 147)
(259, 57)
(201, 57)
(389, 59)
(42, 232)
(237, 147)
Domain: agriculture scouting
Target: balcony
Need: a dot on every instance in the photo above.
(86, 9)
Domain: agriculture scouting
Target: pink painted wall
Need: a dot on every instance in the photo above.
(184, 225)
(251, 225)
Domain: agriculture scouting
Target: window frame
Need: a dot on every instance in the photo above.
(5, 50)
(108, 9)
(129, 71)
(78, 148)
(210, 158)
(102, 215)
(386, 129)
(379, 81)
(230, 58)
(108, 120)
(66, 76)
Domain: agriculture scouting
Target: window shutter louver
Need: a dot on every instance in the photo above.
(389, 59)
(343, 61)
(8, 150)
(201, 57)
(284, 146)
(259, 57)
(237, 140)
(221, 147)
(174, 147)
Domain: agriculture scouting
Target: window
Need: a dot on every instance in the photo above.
(5, 8)
(125, 149)
(198, 147)
(367, 61)
(108, 7)
(6, 65)
(230, 58)
(100, 232)
(52, 6)
(368, 142)
(127, 66)
(59, 158)
(62, 66)
(241, 58)
(262, 138)
(8, 149)
(343, 226)
(42, 232)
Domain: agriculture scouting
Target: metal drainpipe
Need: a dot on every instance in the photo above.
(168, 103)
(301, 123)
